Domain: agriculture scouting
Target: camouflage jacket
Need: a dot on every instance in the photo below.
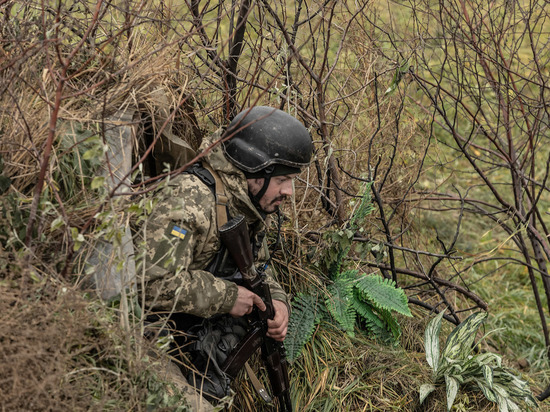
(182, 238)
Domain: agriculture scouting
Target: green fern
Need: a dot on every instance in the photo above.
(371, 321)
(339, 303)
(370, 298)
(391, 325)
(384, 294)
(350, 296)
(306, 313)
(365, 208)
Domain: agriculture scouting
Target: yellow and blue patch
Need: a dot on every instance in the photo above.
(178, 232)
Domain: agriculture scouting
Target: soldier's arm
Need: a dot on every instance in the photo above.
(179, 235)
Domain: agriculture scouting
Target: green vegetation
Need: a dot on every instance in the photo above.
(457, 365)
(429, 183)
(349, 295)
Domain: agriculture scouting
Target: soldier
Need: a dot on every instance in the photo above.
(188, 275)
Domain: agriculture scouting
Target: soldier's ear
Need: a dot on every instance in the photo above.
(255, 185)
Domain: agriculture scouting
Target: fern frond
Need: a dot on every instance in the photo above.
(347, 275)
(383, 293)
(305, 315)
(364, 310)
(391, 323)
(371, 320)
(339, 303)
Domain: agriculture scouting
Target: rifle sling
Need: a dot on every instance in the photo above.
(240, 355)
(244, 350)
(221, 197)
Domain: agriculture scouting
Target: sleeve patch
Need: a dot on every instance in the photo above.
(178, 232)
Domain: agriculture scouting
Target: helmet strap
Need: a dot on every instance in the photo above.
(256, 198)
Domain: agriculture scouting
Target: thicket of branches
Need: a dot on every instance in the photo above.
(80, 62)
(478, 73)
(379, 92)
(477, 77)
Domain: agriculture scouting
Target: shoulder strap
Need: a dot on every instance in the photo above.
(221, 197)
(211, 179)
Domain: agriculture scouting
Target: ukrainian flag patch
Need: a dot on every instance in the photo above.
(178, 232)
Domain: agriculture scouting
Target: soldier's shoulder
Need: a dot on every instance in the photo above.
(185, 189)
(192, 185)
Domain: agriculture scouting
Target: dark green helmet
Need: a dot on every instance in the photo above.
(268, 138)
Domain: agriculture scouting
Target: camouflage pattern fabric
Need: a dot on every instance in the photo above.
(168, 371)
(182, 238)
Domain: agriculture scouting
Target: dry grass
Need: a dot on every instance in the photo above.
(338, 373)
(62, 351)
(55, 349)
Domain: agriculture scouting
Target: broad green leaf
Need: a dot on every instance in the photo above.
(452, 390)
(459, 343)
(425, 390)
(488, 392)
(488, 374)
(399, 73)
(502, 403)
(57, 223)
(91, 153)
(431, 341)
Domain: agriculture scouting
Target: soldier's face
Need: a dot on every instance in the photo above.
(280, 187)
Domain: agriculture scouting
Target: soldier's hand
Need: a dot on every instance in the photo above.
(245, 302)
(277, 327)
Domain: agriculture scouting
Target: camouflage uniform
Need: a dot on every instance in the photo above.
(182, 238)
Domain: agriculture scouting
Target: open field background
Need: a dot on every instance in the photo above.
(433, 113)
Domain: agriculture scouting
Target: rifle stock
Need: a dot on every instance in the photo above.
(235, 237)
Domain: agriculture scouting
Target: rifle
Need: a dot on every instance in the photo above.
(235, 237)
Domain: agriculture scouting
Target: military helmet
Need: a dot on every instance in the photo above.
(267, 138)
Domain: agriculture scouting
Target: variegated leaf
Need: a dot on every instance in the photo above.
(488, 392)
(425, 390)
(512, 406)
(452, 390)
(431, 341)
(489, 357)
(488, 374)
(502, 403)
(530, 401)
(459, 343)
(500, 390)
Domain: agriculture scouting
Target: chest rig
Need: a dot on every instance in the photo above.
(222, 265)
